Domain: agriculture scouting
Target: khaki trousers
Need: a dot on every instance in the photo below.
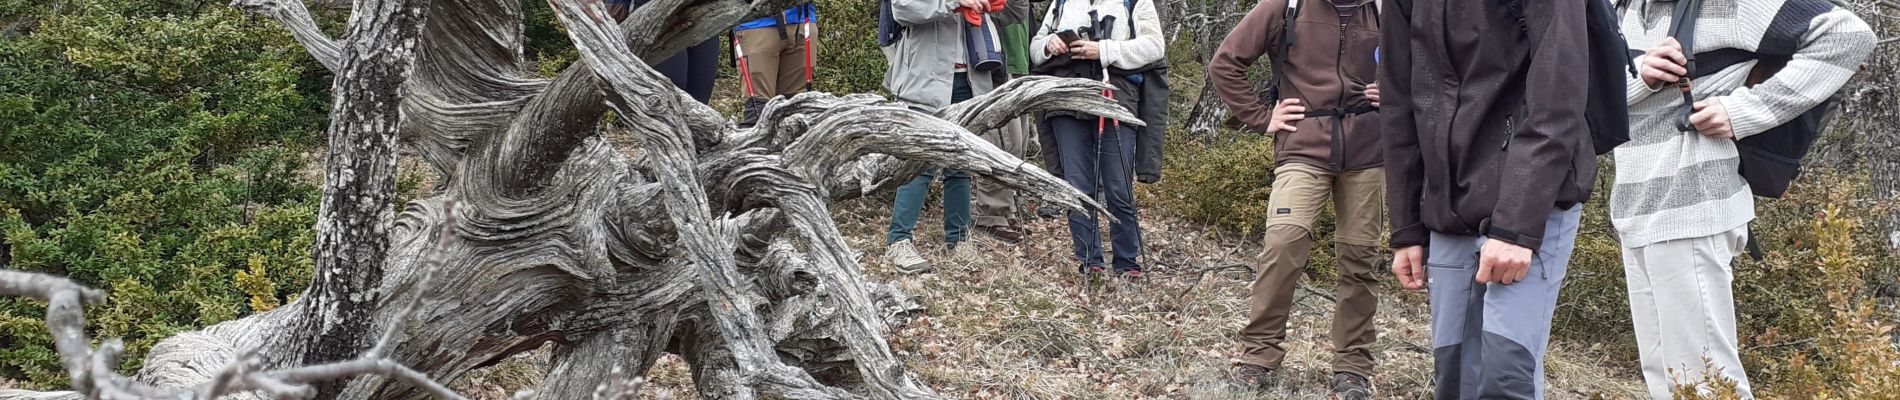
(996, 204)
(1300, 191)
(775, 66)
(1682, 305)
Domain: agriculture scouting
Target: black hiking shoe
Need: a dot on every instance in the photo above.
(1253, 377)
(1350, 386)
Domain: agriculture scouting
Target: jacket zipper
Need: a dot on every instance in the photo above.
(1339, 70)
(1510, 129)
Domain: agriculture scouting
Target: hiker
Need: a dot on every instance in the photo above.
(1679, 205)
(692, 70)
(775, 56)
(997, 205)
(1488, 163)
(923, 40)
(1326, 144)
(1097, 40)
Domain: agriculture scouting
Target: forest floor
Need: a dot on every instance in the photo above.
(1021, 324)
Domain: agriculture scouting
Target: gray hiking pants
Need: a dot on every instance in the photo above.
(1488, 340)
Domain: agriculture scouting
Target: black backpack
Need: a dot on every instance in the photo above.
(1611, 66)
(1770, 160)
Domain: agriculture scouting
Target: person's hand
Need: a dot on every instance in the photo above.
(1086, 49)
(979, 5)
(1711, 119)
(1502, 262)
(1285, 115)
(1056, 47)
(1409, 264)
(1663, 64)
(1372, 93)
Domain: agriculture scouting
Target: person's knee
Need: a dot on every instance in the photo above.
(1280, 236)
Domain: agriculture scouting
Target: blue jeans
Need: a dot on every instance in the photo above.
(956, 192)
(1101, 165)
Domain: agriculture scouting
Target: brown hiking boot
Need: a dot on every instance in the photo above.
(1253, 377)
(1007, 234)
(1350, 386)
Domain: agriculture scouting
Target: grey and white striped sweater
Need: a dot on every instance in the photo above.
(1676, 185)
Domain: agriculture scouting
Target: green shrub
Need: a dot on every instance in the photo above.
(1221, 181)
(151, 149)
(1794, 324)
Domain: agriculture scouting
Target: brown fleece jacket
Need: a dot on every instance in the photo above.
(1330, 64)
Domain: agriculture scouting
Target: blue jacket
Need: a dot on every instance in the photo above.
(796, 15)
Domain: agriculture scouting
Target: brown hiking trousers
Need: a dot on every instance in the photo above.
(1300, 191)
(775, 66)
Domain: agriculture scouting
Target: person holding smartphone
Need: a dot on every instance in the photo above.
(1326, 139)
(1098, 40)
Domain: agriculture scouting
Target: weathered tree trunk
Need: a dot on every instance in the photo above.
(359, 190)
(714, 243)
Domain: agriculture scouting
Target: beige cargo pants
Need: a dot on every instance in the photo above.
(1300, 191)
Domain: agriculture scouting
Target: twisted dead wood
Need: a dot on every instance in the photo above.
(712, 242)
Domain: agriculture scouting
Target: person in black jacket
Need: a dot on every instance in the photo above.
(1488, 161)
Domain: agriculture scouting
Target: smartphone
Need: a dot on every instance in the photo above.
(1069, 36)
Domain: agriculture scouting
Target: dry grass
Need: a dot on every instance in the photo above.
(1022, 325)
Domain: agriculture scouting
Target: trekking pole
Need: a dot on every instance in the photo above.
(745, 74)
(809, 62)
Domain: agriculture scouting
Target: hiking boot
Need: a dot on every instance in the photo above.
(1007, 234)
(1133, 275)
(965, 252)
(750, 116)
(1350, 386)
(1091, 270)
(904, 255)
(1253, 377)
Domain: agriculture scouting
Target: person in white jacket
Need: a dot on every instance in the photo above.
(1097, 156)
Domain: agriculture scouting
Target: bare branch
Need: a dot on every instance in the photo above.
(93, 373)
(295, 17)
(1034, 94)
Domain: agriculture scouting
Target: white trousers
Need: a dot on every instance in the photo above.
(1684, 310)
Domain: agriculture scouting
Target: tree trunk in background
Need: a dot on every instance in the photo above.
(1207, 27)
(359, 191)
(1864, 135)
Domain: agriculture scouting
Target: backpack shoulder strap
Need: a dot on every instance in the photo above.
(1288, 19)
(1056, 8)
